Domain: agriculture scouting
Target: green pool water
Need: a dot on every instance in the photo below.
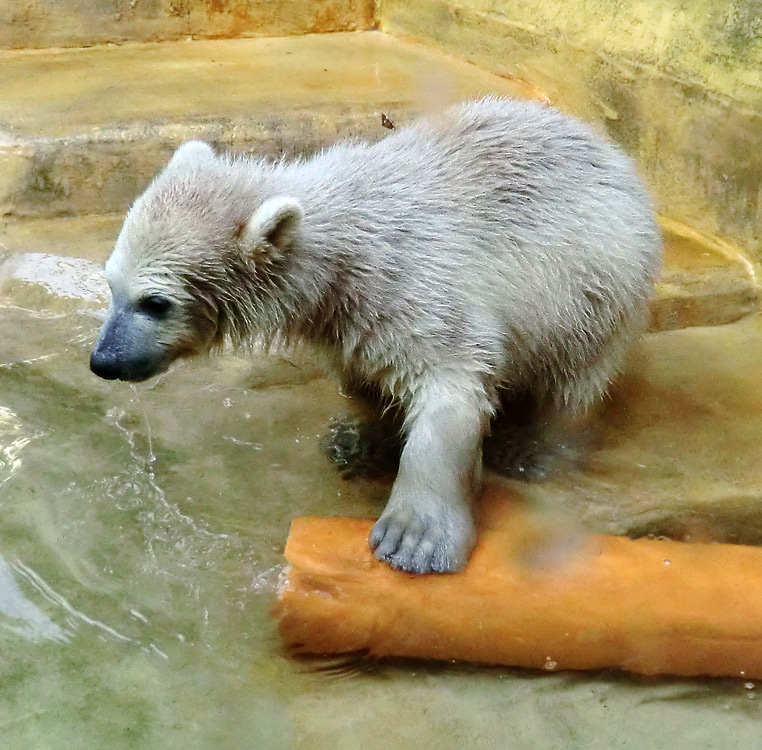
(142, 530)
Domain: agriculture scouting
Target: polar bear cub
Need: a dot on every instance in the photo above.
(500, 248)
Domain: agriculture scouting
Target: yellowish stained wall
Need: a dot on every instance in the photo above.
(678, 84)
(79, 23)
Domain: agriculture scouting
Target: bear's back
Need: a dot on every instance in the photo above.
(500, 230)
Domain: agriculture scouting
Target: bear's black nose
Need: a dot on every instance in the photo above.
(104, 366)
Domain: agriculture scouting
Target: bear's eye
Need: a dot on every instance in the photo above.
(155, 305)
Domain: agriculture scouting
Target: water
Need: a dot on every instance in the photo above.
(141, 538)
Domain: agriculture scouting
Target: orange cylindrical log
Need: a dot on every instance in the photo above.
(645, 606)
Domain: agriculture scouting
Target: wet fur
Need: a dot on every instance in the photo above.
(499, 248)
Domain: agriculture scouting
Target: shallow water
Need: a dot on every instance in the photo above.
(142, 528)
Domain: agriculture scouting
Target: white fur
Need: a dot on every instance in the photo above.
(272, 224)
(498, 248)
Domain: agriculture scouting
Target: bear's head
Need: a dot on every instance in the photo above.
(196, 261)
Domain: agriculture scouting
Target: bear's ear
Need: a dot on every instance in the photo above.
(191, 153)
(271, 228)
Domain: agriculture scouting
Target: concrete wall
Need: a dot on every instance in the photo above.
(677, 82)
(79, 23)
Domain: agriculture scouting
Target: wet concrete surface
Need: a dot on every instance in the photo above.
(142, 528)
(80, 136)
(141, 536)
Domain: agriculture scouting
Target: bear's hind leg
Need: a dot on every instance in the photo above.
(536, 438)
(359, 446)
(367, 441)
(534, 451)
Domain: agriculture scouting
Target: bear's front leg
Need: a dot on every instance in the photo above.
(427, 526)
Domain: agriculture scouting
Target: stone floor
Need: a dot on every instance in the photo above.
(141, 528)
(141, 535)
(79, 136)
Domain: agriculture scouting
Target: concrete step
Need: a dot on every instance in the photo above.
(82, 131)
(704, 282)
(84, 23)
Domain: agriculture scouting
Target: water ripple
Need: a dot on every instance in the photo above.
(75, 616)
(10, 452)
(26, 618)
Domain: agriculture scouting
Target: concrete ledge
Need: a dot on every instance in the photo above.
(704, 282)
(675, 444)
(82, 131)
(87, 237)
(30, 24)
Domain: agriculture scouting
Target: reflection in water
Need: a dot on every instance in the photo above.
(144, 532)
(24, 618)
(75, 278)
(75, 617)
(35, 624)
(10, 461)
